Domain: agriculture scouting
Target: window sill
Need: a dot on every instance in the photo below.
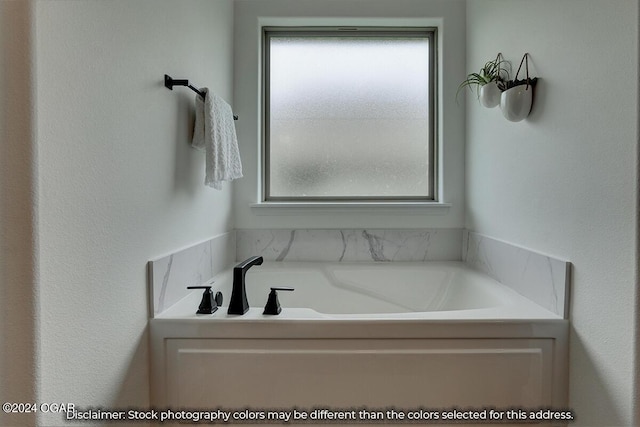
(396, 208)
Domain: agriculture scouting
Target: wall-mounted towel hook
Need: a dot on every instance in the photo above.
(170, 82)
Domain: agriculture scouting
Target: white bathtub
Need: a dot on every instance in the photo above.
(436, 290)
(357, 335)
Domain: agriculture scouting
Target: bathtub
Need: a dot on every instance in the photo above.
(410, 336)
(374, 291)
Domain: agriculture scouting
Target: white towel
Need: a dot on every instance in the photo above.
(215, 131)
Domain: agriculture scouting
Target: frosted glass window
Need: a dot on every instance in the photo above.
(349, 115)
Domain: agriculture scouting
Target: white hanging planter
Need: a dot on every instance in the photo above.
(516, 102)
(490, 95)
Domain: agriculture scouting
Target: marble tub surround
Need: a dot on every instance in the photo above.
(543, 279)
(540, 278)
(350, 245)
(170, 275)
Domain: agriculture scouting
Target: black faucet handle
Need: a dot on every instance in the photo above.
(283, 288)
(273, 305)
(209, 303)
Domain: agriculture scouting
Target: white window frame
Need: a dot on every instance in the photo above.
(345, 202)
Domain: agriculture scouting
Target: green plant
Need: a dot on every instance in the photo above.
(493, 71)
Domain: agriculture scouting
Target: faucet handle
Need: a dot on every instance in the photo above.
(273, 305)
(209, 303)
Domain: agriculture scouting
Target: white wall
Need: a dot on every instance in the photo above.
(564, 181)
(354, 12)
(119, 183)
(18, 240)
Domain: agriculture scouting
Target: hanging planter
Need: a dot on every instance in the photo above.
(490, 95)
(489, 82)
(517, 99)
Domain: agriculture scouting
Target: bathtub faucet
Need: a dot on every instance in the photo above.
(239, 303)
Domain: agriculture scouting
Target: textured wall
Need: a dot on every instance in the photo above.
(564, 181)
(119, 182)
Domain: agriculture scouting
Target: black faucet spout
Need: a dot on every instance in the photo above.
(239, 303)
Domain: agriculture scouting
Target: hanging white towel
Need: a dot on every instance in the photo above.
(215, 131)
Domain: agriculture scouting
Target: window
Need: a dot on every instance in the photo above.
(349, 114)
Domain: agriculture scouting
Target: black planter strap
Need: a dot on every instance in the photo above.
(525, 59)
